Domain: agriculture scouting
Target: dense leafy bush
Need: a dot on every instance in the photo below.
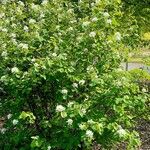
(60, 83)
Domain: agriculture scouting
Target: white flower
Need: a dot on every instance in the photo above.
(64, 91)
(54, 54)
(85, 50)
(90, 121)
(2, 15)
(21, 3)
(106, 14)
(83, 111)
(35, 137)
(42, 15)
(14, 70)
(36, 65)
(90, 68)
(14, 41)
(118, 36)
(7, 20)
(45, 2)
(70, 29)
(70, 104)
(4, 30)
(108, 21)
(81, 82)
(15, 121)
(34, 7)
(32, 21)
(3, 78)
(33, 60)
(73, 21)
(94, 19)
(3, 130)
(82, 126)
(24, 46)
(18, 10)
(12, 18)
(9, 116)
(92, 4)
(75, 85)
(92, 34)
(70, 11)
(121, 132)
(57, 27)
(26, 28)
(89, 134)
(4, 54)
(69, 121)
(85, 24)
(144, 90)
(60, 108)
(49, 147)
(97, 1)
(13, 25)
(13, 35)
(59, 33)
(79, 38)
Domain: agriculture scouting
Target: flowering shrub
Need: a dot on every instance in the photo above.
(60, 83)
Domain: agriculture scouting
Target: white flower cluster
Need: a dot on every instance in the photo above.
(83, 111)
(82, 82)
(85, 24)
(70, 104)
(15, 70)
(64, 91)
(2, 15)
(90, 121)
(60, 108)
(22, 45)
(32, 21)
(94, 19)
(82, 126)
(21, 3)
(42, 15)
(70, 29)
(92, 34)
(70, 11)
(89, 134)
(3, 130)
(26, 28)
(118, 36)
(108, 21)
(15, 122)
(4, 30)
(45, 2)
(49, 148)
(9, 116)
(54, 54)
(106, 14)
(69, 122)
(4, 54)
(75, 85)
(13, 35)
(121, 132)
(34, 7)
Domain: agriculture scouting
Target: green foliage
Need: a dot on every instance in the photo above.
(60, 83)
(140, 9)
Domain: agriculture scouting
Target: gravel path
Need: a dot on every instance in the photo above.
(133, 65)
